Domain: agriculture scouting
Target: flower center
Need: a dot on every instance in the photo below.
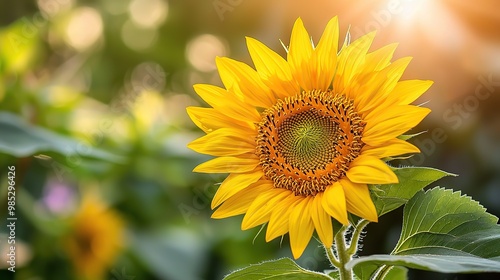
(306, 142)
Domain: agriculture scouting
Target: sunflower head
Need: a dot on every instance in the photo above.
(303, 137)
(95, 239)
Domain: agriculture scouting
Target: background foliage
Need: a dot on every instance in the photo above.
(93, 97)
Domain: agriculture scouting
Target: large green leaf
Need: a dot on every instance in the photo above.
(279, 269)
(443, 231)
(20, 139)
(439, 263)
(365, 272)
(411, 180)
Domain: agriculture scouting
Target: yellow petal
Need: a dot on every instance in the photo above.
(244, 81)
(406, 92)
(229, 165)
(381, 58)
(273, 69)
(238, 204)
(394, 147)
(233, 184)
(359, 201)
(322, 221)
(209, 119)
(299, 55)
(351, 60)
(334, 203)
(227, 103)
(392, 123)
(301, 227)
(376, 93)
(224, 142)
(260, 210)
(370, 170)
(326, 55)
(280, 217)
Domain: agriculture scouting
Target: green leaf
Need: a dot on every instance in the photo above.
(20, 139)
(397, 273)
(365, 271)
(278, 269)
(443, 231)
(411, 180)
(335, 274)
(443, 215)
(439, 263)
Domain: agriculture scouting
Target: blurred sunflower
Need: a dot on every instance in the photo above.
(302, 137)
(95, 239)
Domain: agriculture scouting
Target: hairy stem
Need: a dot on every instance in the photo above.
(331, 257)
(353, 247)
(343, 254)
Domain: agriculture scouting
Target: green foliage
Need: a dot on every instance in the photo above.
(364, 272)
(21, 139)
(446, 232)
(411, 180)
(19, 45)
(442, 231)
(279, 269)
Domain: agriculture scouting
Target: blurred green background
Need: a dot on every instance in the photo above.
(92, 117)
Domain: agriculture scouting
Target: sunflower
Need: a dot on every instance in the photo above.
(302, 138)
(95, 239)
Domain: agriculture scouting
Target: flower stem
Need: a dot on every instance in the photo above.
(353, 247)
(343, 254)
(331, 257)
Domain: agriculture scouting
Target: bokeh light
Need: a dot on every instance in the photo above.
(202, 50)
(84, 28)
(50, 8)
(148, 13)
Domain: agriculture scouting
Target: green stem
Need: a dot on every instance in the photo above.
(343, 254)
(331, 257)
(353, 247)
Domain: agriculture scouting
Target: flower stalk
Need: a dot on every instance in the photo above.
(345, 249)
(344, 256)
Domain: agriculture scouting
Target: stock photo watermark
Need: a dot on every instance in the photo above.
(455, 117)
(223, 6)
(31, 26)
(11, 218)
